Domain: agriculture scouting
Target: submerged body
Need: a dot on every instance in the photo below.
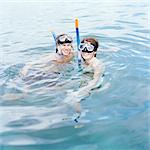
(48, 70)
(53, 63)
(48, 63)
(92, 66)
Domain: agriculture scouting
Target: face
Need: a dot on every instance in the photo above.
(65, 48)
(87, 55)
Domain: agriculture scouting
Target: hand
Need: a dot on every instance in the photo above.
(78, 95)
(82, 93)
(72, 94)
(72, 97)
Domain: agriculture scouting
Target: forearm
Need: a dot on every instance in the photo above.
(93, 83)
(86, 89)
(89, 86)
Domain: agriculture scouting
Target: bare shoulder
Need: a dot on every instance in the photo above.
(98, 66)
(48, 57)
(97, 63)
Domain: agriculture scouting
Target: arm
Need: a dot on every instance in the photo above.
(25, 69)
(98, 68)
(40, 63)
(74, 97)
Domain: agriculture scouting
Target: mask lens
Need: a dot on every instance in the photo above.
(90, 47)
(69, 38)
(65, 38)
(81, 47)
(86, 47)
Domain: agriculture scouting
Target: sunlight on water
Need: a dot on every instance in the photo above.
(34, 110)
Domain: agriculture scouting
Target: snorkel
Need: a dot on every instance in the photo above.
(78, 41)
(54, 36)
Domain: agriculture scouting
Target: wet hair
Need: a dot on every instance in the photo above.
(92, 41)
(59, 42)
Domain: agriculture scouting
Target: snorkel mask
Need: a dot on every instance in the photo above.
(64, 39)
(86, 47)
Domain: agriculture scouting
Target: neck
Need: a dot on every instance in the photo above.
(88, 61)
(64, 58)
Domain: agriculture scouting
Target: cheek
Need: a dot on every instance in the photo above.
(60, 47)
(87, 55)
(63, 47)
(70, 48)
(67, 47)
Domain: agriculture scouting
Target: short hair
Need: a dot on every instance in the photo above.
(92, 41)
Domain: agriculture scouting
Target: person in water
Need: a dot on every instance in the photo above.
(88, 48)
(64, 54)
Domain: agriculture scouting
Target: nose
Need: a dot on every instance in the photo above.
(85, 49)
(66, 46)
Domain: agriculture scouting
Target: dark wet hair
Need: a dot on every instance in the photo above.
(92, 41)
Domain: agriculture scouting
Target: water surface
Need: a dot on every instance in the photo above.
(113, 119)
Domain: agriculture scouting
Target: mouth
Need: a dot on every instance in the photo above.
(66, 52)
(86, 55)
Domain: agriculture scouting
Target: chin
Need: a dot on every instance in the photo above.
(86, 58)
(66, 54)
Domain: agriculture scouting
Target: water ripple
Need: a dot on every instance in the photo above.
(32, 110)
